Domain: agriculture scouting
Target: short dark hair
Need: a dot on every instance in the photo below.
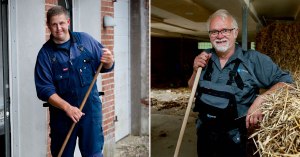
(56, 10)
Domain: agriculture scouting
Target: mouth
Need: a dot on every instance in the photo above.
(58, 33)
(220, 41)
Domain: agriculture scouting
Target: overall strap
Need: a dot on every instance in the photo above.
(209, 70)
(78, 40)
(216, 93)
(52, 57)
(235, 76)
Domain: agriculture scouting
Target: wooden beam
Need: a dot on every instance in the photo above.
(252, 11)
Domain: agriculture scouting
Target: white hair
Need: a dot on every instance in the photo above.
(223, 14)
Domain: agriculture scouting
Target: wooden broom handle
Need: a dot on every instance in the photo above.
(187, 112)
(80, 108)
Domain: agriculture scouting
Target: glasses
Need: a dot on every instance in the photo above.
(224, 32)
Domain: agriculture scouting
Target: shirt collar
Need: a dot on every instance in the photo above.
(238, 54)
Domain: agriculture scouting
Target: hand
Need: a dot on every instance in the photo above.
(74, 113)
(201, 60)
(107, 58)
(254, 114)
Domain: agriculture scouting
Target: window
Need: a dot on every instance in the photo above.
(252, 45)
(204, 45)
(68, 5)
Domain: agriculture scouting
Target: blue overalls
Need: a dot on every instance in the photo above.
(72, 79)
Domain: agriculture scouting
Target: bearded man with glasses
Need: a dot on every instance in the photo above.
(227, 94)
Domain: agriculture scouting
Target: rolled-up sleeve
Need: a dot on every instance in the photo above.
(43, 77)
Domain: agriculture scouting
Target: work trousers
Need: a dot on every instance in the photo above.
(88, 131)
(217, 142)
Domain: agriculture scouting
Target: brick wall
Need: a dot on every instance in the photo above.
(107, 39)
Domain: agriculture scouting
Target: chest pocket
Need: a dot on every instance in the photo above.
(84, 63)
(85, 71)
(62, 77)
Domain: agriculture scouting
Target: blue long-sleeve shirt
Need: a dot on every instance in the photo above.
(44, 79)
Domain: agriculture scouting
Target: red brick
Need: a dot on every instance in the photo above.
(107, 98)
(109, 92)
(108, 81)
(110, 132)
(107, 75)
(108, 103)
(51, 1)
(109, 114)
(108, 109)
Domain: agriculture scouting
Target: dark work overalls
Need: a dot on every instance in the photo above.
(72, 79)
(219, 133)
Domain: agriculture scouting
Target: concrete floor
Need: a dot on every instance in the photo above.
(165, 132)
(132, 146)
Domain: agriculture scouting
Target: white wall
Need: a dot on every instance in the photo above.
(28, 117)
(122, 66)
(86, 17)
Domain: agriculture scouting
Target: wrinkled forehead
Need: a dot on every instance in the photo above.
(221, 22)
(58, 18)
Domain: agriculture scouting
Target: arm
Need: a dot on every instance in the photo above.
(269, 76)
(200, 61)
(254, 114)
(99, 52)
(73, 112)
(107, 59)
(46, 90)
(192, 79)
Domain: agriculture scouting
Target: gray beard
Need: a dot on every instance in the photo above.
(221, 49)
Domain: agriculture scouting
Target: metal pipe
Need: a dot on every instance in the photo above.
(245, 28)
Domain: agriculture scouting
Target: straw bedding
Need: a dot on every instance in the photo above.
(278, 133)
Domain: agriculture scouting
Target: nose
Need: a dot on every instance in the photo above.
(220, 35)
(58, 27)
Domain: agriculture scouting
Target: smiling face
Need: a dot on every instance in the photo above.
(59, 28)
(224, 40)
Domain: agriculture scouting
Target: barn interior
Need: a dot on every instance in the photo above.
(179, 32)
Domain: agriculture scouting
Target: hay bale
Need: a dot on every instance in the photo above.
(281, 41)
(278, 133)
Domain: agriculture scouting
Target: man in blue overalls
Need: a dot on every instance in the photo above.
(226, 98)
(64, 69)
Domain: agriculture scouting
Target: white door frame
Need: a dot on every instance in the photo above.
(122, 69)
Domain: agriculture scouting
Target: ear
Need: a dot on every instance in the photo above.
(236, 33)
(69, 21)
(48, 25)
